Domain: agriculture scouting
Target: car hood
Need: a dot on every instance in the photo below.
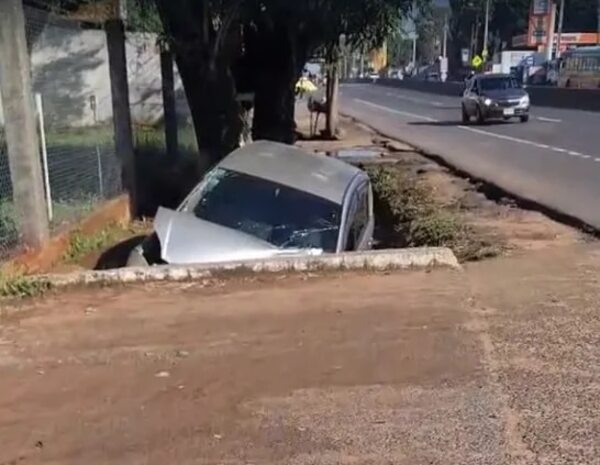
(186, 239)
(510, 94)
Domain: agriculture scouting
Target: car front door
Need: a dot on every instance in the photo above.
(359, 221)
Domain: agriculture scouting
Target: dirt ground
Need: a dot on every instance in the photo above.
(496, 364)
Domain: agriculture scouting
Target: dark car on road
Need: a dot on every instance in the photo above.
(489, 96)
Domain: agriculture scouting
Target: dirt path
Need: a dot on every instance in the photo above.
(498, 364)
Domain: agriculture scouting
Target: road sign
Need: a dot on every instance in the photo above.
(484, 54)
(476, 62)
(464, 53)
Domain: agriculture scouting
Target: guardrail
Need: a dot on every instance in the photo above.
(556, 97)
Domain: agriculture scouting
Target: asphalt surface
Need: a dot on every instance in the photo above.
(553, 160)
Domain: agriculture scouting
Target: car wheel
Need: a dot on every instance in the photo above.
(524, 118)
(480, 117)
(466, 119)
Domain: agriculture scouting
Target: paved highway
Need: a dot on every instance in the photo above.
(554, 159)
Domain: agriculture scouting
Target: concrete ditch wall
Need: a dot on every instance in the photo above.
(373, 260)
(577, 99)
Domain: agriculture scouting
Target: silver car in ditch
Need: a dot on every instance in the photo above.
(261, 201)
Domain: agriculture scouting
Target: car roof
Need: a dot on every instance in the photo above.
(317, 174)
(495, 76)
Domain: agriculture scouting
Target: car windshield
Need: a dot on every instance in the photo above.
(499, 83)
(278, 214)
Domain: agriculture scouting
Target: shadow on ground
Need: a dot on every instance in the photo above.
(116, 256)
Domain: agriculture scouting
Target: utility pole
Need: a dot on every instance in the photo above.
(445, 40)
(119, 87)
(550, 34)
(21, 134)
(486, 30)
(414, 52)
(561, 15)
(598, 40)
(476, 36)
(169, 102)
(444, 60)
(362, 62)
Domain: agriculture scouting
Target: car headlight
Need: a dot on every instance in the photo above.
(524, 101)
(487, 102)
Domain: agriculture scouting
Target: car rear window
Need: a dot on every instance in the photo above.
(499, 83)
(281, 215)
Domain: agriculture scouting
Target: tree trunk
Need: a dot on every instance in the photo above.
(204, 57)
(277, 59)
(333, 84)
(169, 104)
(216, 114)
(274, 111)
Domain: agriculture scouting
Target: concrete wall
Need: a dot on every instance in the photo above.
(70, 65)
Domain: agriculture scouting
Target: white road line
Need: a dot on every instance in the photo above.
(549, 120)
(479, 131)
(504, 137)
(411, 99)
(398, 112)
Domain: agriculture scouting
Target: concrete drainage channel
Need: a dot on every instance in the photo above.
(380, 260)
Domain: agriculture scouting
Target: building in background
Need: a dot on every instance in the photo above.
(567, 40)
(541, 32)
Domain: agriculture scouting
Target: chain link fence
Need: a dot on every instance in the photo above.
(163, 176)
(71, 85)
(146, 101)
(9, 232)
(70, 77)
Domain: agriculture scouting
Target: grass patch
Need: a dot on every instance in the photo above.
(409, 216)
(66, 211)
(18, 285)
(80, 137)
(153, 138)
(164, 179)
(81, 245)
(9, 230)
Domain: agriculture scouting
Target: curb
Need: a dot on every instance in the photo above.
(380, 260)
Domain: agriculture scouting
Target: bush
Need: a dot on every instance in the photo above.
(408, 208)
(436, 230)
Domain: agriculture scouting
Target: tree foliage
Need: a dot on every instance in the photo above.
(261, 46)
